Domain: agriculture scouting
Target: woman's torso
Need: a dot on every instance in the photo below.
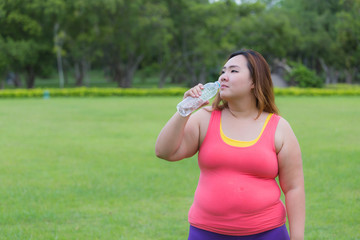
(237, 192)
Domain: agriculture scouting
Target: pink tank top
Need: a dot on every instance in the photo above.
(237, 193)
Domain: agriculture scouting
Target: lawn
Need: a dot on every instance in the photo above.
(84, 168)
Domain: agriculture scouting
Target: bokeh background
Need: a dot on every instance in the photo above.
(159, 43)
(87, 85)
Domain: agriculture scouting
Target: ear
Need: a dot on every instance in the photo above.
(253, 85)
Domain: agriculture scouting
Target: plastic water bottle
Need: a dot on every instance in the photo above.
(190, 104)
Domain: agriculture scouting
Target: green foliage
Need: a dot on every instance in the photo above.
(348, 35)
(304, 77)
(329, 31)
(272, 35)
(26, 37)
(292, 91)
(129, 32)
(185, 40)
(90, 92)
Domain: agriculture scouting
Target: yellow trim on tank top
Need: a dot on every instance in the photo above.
(237, 143)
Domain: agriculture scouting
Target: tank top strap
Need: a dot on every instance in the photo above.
(216, 117)
(214, 126)
(272, 124)
(268, 136)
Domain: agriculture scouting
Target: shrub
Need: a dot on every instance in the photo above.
(109, 92)
(89, 92)
(304, 77)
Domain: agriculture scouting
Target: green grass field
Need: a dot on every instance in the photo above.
(85, 168)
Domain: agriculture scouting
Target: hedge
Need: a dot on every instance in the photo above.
(107, 92)
(316, 92)
(89, 92)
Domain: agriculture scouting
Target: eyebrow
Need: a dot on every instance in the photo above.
(232, 66)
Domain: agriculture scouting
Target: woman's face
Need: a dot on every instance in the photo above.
(235, 79)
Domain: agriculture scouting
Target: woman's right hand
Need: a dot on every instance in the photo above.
(195, 92)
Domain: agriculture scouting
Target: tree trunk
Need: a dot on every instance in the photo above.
(326, 70)
(66, 78)
(281, 67)
(86, 69)
(117, 73)
(79, 74)
(17, 80)
(202, 75)
(30, 79)
(191, 69)
(348, 76)
(334, 75)
(168, 69)
(58, 47)
(124, 74)
(60, 66)
(193, 79)
(2, 77)
(82, 69)
(162, 78)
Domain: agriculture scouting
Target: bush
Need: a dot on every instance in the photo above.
(89, 92)
(304, 77)
(293, 91)
(109, 92)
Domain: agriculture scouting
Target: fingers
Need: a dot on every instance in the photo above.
(205, 103)
(194, 92)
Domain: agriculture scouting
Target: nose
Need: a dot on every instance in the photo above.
(223, 77)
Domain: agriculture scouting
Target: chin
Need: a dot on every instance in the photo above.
(224, 96)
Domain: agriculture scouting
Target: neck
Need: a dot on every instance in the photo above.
(243, 108)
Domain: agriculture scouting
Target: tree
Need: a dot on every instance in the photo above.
(26, 39)
(328, 35)
(204, 34)
(348, 37)
(207, 36)
(80, 32)
(130, 32)
(269, 33)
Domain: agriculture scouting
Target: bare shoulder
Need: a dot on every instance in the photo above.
(283, 133)
(283, 125)
(202, 115)
(202, 119)
(198, 119)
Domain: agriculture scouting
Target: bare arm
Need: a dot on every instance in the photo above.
(180, 136)
(291, 179)
(178, 139)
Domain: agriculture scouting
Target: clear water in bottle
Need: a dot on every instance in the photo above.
(190, 104)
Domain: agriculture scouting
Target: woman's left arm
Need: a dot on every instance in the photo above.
(291, 178)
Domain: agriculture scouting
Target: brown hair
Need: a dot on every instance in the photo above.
(263, 86)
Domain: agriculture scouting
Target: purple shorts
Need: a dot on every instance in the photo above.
(279, 233)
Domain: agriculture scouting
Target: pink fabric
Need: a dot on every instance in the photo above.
(237, 193)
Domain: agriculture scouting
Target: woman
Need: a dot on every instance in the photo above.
(242, 145)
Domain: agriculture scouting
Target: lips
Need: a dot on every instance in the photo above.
(222, 86)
